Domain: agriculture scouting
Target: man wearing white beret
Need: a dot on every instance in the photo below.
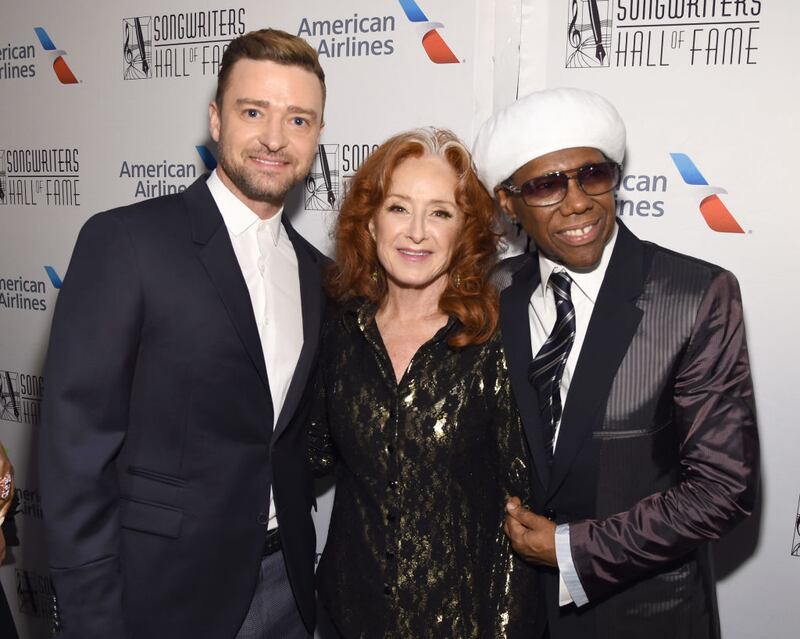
(630, 369)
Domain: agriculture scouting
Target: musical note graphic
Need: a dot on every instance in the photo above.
(136, 48)
(322, 183)
(588, 34)
(126, 48)
(9, 410)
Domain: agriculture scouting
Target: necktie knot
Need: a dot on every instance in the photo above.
(561, 283)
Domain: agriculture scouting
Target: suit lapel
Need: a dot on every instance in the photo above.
(217, 256)
(612, 326)
(311, 299)
(517, 344)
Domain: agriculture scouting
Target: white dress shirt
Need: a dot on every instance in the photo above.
(269, 265)
(542, 318)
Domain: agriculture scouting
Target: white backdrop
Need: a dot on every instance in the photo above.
(105, 103)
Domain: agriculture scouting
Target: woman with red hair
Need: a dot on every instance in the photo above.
(414, 407)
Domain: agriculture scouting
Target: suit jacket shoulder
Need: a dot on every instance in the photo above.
(503, 273)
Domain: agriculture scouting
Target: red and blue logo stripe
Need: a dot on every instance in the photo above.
(432, 41)
(712, 208)
(60, 66)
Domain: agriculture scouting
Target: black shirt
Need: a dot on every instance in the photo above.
(415, 544)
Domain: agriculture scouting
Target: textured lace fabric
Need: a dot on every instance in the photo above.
(415, 544)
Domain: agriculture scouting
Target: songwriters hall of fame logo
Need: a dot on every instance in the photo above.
(796, 535)
(137, 48)
(333, 168)
(20, 397)
(3, 177)
(323, 189)
(588, 33)
(10, 398)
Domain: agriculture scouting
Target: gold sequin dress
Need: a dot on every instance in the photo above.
(415, 544)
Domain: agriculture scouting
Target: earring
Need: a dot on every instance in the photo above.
(374, 275)
(457, 280)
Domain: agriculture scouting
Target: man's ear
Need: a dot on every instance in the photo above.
(213, 121)
(505, 203)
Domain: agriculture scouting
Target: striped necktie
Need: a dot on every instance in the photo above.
(544, 372)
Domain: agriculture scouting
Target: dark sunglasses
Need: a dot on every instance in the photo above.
(546, 190)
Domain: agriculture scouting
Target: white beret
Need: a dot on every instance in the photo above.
(543, 122)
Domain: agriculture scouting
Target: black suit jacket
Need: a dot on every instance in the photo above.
(157, 444)
(657, 452)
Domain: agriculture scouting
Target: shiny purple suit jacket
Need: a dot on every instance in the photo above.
(658, 450)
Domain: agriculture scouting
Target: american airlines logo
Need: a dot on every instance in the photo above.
(60, 66)
(437, 49)
(712, 208)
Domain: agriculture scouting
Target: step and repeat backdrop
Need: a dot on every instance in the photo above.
(105, 104)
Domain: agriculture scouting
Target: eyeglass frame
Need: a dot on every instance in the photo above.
(509, 187)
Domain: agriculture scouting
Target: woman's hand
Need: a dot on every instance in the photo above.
(6, 482)
(6, 494)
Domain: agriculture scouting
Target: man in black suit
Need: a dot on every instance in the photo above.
(173, 474)
(630, 370)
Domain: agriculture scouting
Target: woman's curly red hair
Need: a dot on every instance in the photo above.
(468, 295)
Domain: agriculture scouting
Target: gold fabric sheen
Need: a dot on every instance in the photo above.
(415, 545)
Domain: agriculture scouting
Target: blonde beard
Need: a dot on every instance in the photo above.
(271, 193)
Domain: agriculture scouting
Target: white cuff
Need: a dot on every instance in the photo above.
(570, 588)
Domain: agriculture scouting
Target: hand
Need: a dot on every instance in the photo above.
(6, 483)
(532, 536)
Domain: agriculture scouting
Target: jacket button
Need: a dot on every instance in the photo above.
(550, 514)
(263, 518)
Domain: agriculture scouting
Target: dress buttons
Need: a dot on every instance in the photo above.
(389, 555)
(390, 517)
(390, 449)
(393, 484)
(387, 589)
